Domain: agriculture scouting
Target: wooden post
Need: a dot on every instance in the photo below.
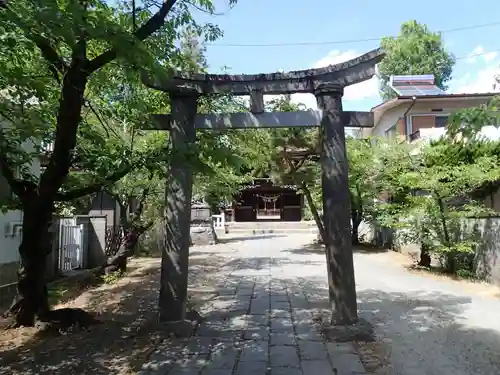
(178, 192)
(336, 208)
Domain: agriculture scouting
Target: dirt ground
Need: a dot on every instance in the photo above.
(130, 333)
(131, 330)
(408, 262)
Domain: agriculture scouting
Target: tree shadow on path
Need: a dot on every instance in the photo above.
(431, 333)
(243, 303)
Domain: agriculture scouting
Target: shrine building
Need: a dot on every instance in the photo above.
(264, 201)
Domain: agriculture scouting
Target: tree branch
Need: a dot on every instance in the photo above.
(56, 63)
(145, 192)
(152, 25)
(94, 188)
(145, 227)
(123, 208)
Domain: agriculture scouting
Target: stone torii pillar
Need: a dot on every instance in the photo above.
(336, 210)
(178, 194)
(327, 84)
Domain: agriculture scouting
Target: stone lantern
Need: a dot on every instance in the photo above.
(202, 228)
(200, 212)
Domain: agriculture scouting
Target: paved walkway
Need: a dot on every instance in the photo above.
(261, 321)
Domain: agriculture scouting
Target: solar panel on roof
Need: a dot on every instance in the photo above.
(406, 91)
(422, 85)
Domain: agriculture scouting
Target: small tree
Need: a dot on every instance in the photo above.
(294, 158)
(436, 200)
(363, 185)
(467, 123)
(416, 50)
(50, 58)
(228, 158)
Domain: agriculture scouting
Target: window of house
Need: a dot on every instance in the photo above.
(441, 121)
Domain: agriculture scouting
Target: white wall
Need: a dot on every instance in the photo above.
(10, 230)
(423, 106)
(10, 238)
(388, 120)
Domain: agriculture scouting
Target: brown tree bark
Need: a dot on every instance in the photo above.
(314, 211)
(32, 299)
(118, 262)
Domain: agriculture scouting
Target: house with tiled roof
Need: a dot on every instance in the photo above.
(421, 110)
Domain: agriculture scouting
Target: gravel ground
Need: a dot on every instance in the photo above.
(428, 326)
(431, 326)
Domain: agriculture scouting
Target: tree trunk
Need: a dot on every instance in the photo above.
(356, 220)
(425, 257)
(314, 211)
(31, 300)
(451, 256)
(118, 262)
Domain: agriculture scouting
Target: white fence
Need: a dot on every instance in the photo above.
(70, 245)
(219, 221)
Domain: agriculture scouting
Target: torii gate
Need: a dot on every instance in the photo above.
(327, 85)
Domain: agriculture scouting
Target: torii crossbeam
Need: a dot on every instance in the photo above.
(327, 84)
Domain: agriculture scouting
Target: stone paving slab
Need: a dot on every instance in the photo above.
(259, 323)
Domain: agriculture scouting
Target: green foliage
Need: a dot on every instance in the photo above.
(227, 159)
(113, 277)
(292, 150)
(416, 50)
(363, 185)
(116, 103)
(434, 190)
(39, 43)
(467, 123)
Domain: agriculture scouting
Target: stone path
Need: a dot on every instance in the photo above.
(270, 288)
(261, 321)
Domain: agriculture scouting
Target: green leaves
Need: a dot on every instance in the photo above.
(416, 50)
(467, 123)
(37, 45)
(434, 193)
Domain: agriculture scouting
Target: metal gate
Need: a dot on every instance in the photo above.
(70, 245)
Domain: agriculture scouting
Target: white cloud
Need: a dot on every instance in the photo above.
(483, 80)
(473, 55)
(479, 53)
(360, 91)
(490, 56)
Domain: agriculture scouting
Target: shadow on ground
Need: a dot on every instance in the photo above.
(226, 291)
(316, 248)
(430, 325)
(231, 239)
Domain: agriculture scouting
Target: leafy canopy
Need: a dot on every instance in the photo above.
(415, 51)
(40, 44)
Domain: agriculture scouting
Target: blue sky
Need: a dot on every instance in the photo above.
(294, 21)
